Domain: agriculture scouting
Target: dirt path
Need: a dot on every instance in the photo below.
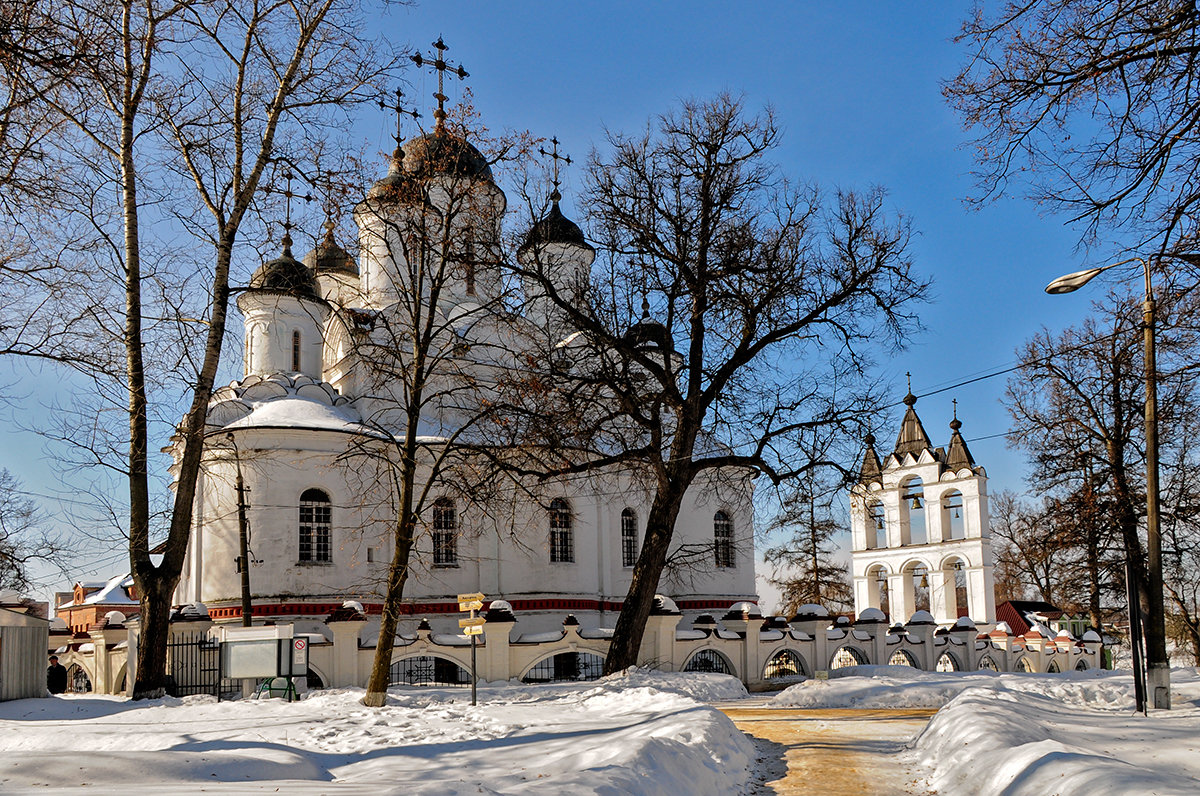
(831, 752)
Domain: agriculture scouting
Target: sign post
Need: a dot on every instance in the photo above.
(472, 626)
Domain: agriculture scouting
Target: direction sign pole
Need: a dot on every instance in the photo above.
(473, 676)
(472, 603)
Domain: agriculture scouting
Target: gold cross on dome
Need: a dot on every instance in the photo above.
(441, 66)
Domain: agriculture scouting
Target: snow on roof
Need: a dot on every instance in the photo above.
(110, 592)
(283, 400)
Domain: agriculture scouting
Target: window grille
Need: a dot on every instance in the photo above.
(784, 663)
(316, 521)
(296, 351)
(628, 538)
(562, 542)
(723, 539)
(566, 667)
(428, 670)
(445, 534)
(708, 661)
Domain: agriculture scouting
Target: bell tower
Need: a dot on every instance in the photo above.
(920, 536)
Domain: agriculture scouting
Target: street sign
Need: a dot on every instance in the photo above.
(472, 627)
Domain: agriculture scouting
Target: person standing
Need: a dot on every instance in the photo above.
(56, 676)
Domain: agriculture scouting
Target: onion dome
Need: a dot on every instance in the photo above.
(555, 228)
(328, 257)
(649, 333)
(397, 186)
(442, 152)
(285, 274)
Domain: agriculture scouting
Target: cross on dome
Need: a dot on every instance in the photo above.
(441, 66)
(288, 195)
(400, 110)
(555, 158)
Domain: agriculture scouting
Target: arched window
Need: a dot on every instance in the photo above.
(296, 351)
(316, 522)
(953, 523)
(876, 525)
(987, 664)
(1081, 666)
(628, 538)
(469, 267)
(723, 539)
(708, 661)
(445, 533)
(562, 541)
(566, 667)
(947, 663)
(912, 508)
(428, 670)
(847, 656)
(902, 658)
(785, 664)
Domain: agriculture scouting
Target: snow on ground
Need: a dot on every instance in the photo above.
(1031, 734)
(636, 733)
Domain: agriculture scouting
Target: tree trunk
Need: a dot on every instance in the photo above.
(381, 665)
(151, 682)
(631, 623)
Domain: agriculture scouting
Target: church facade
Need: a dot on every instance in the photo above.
(280, 459)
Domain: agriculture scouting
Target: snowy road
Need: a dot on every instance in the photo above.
(838, 751)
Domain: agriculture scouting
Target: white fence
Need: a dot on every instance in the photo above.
(759, 653)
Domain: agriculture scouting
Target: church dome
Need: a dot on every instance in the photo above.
(397, 186)
(555, 228)
(328, 257)
(442, 152)
(285, 274)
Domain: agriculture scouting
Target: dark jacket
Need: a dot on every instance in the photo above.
(56, 678)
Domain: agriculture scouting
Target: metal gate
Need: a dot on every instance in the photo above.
(194, 661)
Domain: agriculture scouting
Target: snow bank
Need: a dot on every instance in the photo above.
(905, 687)
(638, 733)
(989, 742)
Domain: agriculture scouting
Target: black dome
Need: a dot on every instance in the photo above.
(441, 152)
(287, 275)
(329, 257)
(555, 228)
(648, 333)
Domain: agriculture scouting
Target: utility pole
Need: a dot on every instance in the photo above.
(243, 536)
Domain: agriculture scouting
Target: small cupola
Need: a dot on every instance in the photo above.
(284, 316)
(958, 456)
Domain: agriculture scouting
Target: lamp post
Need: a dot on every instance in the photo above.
(1158, 675)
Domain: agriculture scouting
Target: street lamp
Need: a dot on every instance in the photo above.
(1154, 628)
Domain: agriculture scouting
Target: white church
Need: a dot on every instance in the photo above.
(320, 528)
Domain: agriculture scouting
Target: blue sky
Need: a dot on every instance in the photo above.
(857, 88)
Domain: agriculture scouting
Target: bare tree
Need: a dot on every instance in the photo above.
(423, 348)
(727, 332)
(183, 100)
(1095, 104)
(1076, 409)
(23, 540)
(805, 568)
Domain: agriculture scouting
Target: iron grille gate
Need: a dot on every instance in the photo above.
(194, 661)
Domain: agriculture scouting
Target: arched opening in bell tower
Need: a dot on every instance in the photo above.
(953, 523)
(912, 511)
